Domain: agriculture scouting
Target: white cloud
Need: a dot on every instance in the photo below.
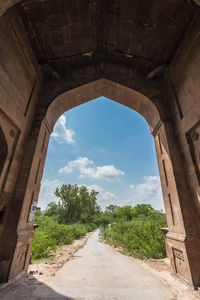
(80, 163)
(61, 133)
(47, 190)
(108, 173)
(102, 194)
(106, 198)
(87, 168)
(148, 191)
(94, 187)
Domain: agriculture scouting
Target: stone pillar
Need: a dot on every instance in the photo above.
(17, 248)
(9, 137)
(182, 239)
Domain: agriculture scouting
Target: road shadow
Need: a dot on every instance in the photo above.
(28, 287)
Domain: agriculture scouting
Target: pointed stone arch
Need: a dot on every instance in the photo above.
(109, 89)
(36, 89)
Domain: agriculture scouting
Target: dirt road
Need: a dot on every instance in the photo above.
(97, 271)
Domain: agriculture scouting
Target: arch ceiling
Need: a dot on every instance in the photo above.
(129, 42)
(106, 88)
(69, 34)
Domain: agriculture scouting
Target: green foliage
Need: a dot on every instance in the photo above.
(42, 245)
(52, 209)
(50, 234)
(124, 213)
(102, 219)
(76, 204)
(138, 231)
(111, 208)
(66, 221)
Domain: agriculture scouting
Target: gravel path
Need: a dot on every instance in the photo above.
(99, 272)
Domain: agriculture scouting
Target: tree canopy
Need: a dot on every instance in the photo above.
(76, 204)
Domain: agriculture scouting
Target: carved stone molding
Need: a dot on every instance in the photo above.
(11, 133)
(20, 258)
(193, 138)
(179, 261)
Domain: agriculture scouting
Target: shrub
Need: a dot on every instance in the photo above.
(42, 245)
(50, 234)
(139, 234)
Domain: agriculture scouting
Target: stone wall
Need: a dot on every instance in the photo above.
(32, 97)
(184, 86)
(182, 90)
(19, 83)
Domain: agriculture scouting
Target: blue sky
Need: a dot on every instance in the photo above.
(107, 147)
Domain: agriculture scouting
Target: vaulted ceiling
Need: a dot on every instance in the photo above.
(143, 34)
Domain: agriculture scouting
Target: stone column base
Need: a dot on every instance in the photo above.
(184, 255)
(22, 253)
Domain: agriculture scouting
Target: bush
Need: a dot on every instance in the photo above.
(42, 245)
(138, 231)
(50, 234)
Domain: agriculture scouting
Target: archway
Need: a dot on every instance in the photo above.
(168, 161)
(89, 133)
(106, 88)
(34, 73)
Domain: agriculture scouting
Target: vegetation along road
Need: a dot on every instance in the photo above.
(97, 271)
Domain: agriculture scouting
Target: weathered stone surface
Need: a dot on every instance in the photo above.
(57, 54)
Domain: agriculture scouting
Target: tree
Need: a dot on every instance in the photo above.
(111, 208)
(52, 209)
(76, 204)
(125, 212)
(142, 210)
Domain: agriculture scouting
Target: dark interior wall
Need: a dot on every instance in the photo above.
(3, 150)
(20, 80)
(184, 89)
